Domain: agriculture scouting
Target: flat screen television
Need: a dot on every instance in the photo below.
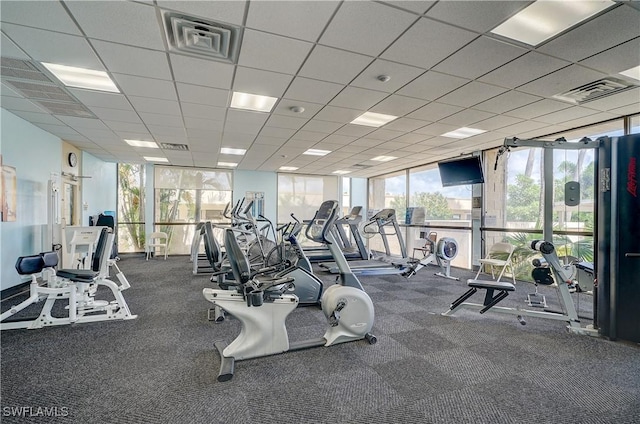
(461, 171)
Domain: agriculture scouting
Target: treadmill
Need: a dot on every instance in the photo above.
(351, 251)
(384, 264)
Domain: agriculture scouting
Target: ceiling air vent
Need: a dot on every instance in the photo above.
(66, 109)
(361, 166)
(32, 90)
(22, 69)
(595, 90)
(202, 38)
(171, 146)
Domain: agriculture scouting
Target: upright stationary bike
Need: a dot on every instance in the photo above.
(262, 305)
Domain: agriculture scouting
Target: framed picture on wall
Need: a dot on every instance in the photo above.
(9, 193)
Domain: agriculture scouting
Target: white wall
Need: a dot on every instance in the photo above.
(35, 154)
(266, 182)
(99, 193)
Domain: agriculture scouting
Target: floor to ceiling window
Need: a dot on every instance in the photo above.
(131, 207)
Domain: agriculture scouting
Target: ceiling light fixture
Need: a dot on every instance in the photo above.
(141, 143)
(632, 73)
(371, 119)
(155, 159)
(296, 109)
(384, 78)
(229, 164)
(384, 158)
(341, 172)
(253, 102)
(82, 78)
(288, 168)
(544, 19)
(317, 152)
(232, 151)
(463, 132)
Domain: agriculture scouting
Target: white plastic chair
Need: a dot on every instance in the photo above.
(155, 240)
(496, 259)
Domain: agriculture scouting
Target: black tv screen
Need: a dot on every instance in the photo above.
(461, 171)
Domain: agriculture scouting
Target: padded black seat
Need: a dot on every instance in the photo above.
(496, 285)
(78, 275)
(490, 300)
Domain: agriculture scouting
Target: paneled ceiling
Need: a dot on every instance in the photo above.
(446, 69)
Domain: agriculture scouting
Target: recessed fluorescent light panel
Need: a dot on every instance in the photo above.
(155, 159)
(371, 119)
(82, 78)
(545, 19)
(341, 172)
(288, 168)
(252, 102)
(632, 73)
(229, 164)
(317, 152)
(140, 143)
(463, 132)
(384, 158)
(231, 151)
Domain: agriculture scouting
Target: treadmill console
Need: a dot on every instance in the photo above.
(322, 221)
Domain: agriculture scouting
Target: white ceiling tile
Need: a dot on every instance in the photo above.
(125, 127)
(164, 132)
(283, 107)
(560, 81)
(203, 95)
(133, 60)
(471, 94)
(412, 138)
(146, 87)
(291, 122)
(101, 99)
(232, 139)
(566, 115)
(74, 122)
(398, 105)
(242, 128)
(265, 83)
(400, 75)
(338, 114)
(247, 117)
(339, 139)
(193, 110)
(108, 114)
(272, 52)
(353, 130)
(304, 20)
(384, 134)
(119, 22)
(590, 119)
(333, 65)
(47, 15)
(203, 124)
(60, 131)
(53, 47)
(434, 112)
(313, 91)
(432, 85)
(523, 69)
(466, 117)
(99, 135)
(405, 124)
(272, 141)
(277, 132)
(356, 27)
(316, 125)
(626, 110)
(9, 48)
(595, 36)
(38, 117)
(6, 91)
(231, 12)
(145, 104)
(436, 129)
(309, 136)
(478, 16)
(516, 129)
(357, 98)
(496, 122)
(201, 72)
(22, 104)
(160, 119)
(507, 101)
(415, 6)
(411, 48)
(538, 108)
(617, 59)
(486, 54)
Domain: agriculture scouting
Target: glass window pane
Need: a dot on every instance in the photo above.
(635, 124)
(388, 192)
(302, 195)
(131, 202)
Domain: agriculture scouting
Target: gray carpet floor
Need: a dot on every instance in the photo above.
(425, 368)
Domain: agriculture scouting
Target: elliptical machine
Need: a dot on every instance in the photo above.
(262, 305)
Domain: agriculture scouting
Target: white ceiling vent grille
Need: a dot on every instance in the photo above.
(202, 38)
(22, 69)
(595, 90)
(66, 109)
(172, 146)
(361, 166)
(32, 90)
